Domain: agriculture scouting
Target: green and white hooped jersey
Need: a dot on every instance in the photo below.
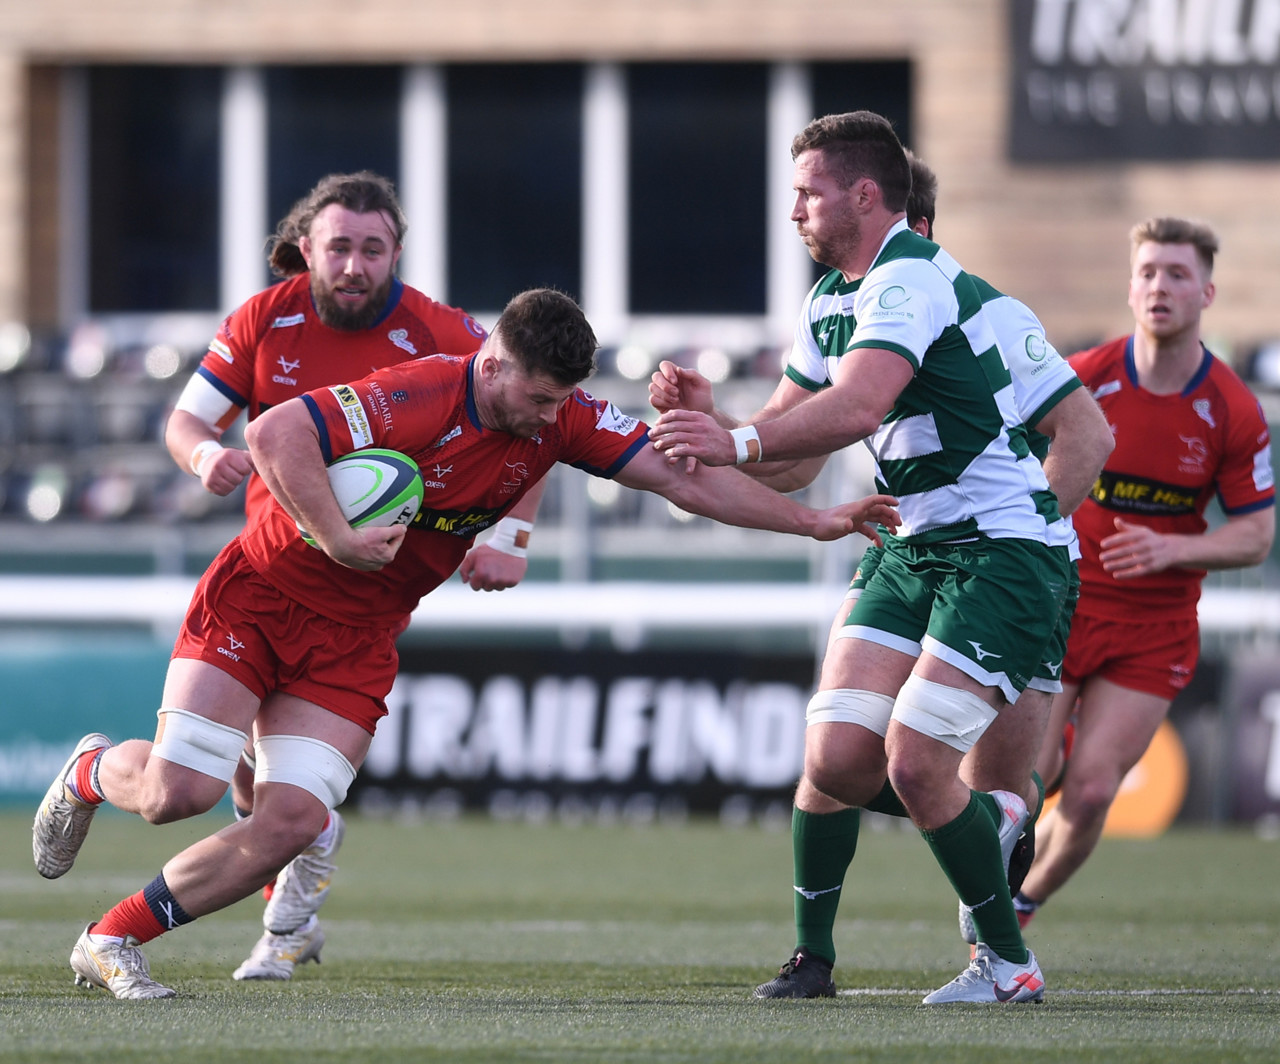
(952, 448)
(1042, 378)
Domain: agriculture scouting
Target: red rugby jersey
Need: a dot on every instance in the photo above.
(473, 475)
(274, 347)
(1172, 454)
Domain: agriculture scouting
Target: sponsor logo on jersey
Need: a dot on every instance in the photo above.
(517, 475)
(399, 396)
(400, 337)
(451, 434)
(288, 367)
(1140, 495)
(220, 349)
(1109, 388)
(891, 305)
(235, 644)
(466, 523)
(979, 653)
(610, 419)
(384, 406)
(353, 411)
(474, 327)
(288, 320)
(893, 297)
(1037, 347)
(1204, 410)
(439, 472)
(1263, 477)
(1197, 453)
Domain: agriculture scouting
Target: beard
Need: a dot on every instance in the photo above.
(350, 319)
(839, 245)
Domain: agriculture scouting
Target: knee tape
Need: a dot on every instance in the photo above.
(951, 716)
(315, 766)
(199, 743)
(845, 706)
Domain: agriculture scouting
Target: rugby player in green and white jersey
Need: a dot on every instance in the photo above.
(1054, 408)
(953, 623)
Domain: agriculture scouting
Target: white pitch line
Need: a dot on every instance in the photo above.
(873, 991)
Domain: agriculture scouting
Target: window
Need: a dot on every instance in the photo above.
(697, 185)
(880, 86)
(514, 181)
(328, 119)
(153, 188)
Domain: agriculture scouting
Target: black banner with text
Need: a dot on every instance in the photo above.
(1144, 79)
(590, 731)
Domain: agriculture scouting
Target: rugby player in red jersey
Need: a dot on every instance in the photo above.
(1186, 429)
(339, 312)
(297, 644)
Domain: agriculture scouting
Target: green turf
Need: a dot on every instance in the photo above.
(477, 941)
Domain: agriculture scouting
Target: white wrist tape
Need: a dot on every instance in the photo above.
(746, 442)
(200, 452)
(511, 536)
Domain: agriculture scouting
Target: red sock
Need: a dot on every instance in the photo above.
(133, 916)
(82, 778)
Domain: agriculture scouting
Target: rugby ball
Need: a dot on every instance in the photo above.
(375, 487)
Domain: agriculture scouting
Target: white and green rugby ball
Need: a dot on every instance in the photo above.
(375, 487)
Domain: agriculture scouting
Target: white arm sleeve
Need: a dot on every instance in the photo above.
(202, 400)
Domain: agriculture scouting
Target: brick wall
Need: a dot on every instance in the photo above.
(1053, 235)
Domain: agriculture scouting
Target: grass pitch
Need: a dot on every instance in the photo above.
(477, 941)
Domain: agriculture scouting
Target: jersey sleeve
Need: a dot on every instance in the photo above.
(903, 306)
(1042, 378)
(401, 407)
(600, 439)
(228, 365)
(806, 365)
(457, 332)
(1246, 481)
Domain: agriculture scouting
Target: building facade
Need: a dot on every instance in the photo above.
(1020, 106)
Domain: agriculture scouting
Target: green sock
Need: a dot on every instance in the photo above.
(968, 849)
(1035, 813)
(822, 845)
(887, 801)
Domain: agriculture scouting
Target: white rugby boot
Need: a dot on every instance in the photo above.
(275, 956)
(304, 884)
(115, 965)
(1013, 819)
(62, 821)
(990, 979)
(293, 935)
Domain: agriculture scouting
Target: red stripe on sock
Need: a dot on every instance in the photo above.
(84, 778)
(132, 916)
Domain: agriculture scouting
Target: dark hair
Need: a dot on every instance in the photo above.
(362, 192)
(549, 335)
(923, 200)
(860, 144)
(1177, 231)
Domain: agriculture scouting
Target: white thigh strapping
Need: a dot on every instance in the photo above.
(951, 716)
(315, 766)
(199, 743)
(846, 706)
